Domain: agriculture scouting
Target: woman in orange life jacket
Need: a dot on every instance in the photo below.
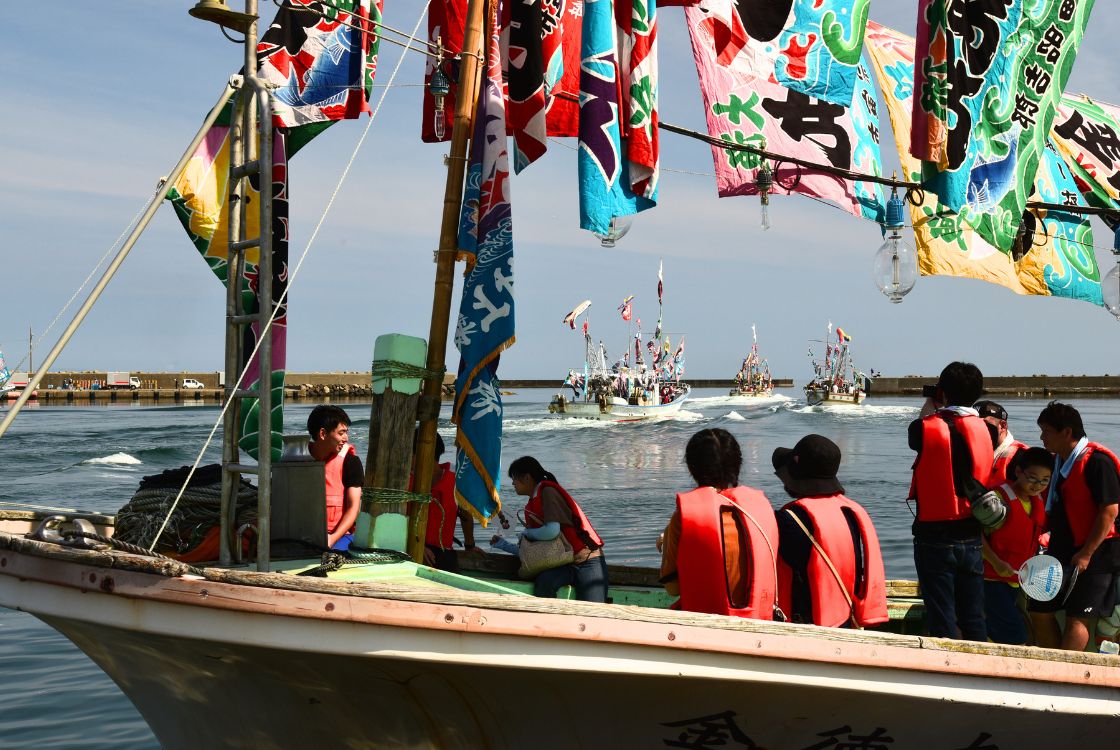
(1010, 545)
(551, 511)
(329, 427)
(717, 553)
(830, 569)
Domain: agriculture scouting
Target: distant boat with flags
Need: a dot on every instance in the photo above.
(753, 379)
(5, 377)
(646, 386)
(835, 378)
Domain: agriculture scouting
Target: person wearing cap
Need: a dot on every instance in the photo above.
(1006, 444)
(830, 568)
(718, 551)
(952, 469)
(1082, 507)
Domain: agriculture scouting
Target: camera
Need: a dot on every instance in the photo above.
(929, 391)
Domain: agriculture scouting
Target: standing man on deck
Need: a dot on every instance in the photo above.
(954, 463)
(1006, 444)
(1082, 511)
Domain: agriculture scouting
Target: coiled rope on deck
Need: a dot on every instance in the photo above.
(391, 368)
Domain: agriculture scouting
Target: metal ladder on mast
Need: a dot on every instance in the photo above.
(250, 136)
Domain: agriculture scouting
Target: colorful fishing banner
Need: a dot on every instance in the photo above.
(322, 57)
(626, 309)
(638, 69)
(1087, 134)
(486, 315)
(290, 55)
(745, 106)
(1054, 258)
(818, 42)
(988, 82)
(533, 64)
(604, 179)
(199, 198)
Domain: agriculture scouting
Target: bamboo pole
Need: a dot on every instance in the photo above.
(445, 268)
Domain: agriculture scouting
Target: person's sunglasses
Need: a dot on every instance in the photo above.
(1028, 479)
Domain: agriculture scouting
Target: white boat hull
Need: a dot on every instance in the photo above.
(616, 412)
(217, 664)
(819, 396)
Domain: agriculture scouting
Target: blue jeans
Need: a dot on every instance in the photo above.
(589, 578)
(951, 576)
(1001, 607)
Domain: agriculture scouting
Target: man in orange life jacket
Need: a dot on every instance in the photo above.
(830, 569)
(444, 510)
(955, 455)
(1084, 532)
(329, 427)
(1006, 444)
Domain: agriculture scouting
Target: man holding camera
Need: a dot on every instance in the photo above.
(955, 450)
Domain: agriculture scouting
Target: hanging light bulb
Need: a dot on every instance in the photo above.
(896, 263)
(764, 181)
(620, 225)
(439, 86)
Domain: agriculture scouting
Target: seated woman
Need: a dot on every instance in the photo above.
(718, 551)
(551, 511)
(830, 570)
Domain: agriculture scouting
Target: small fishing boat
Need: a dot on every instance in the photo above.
(836, 381)
(753, 379)
(6, 386)
(628, 390)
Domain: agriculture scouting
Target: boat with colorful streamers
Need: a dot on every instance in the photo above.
(836, 381)
(753, 380)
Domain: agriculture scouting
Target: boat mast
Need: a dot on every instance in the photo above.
(445, 269)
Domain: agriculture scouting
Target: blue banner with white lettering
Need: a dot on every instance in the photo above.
(485, 324)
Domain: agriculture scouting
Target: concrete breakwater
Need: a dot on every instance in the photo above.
(314, 385)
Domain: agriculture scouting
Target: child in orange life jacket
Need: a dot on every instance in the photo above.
(329, 427)
(442, 512)
(717, 553)
(1009, 546)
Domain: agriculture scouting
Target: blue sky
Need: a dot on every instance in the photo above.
(103, 97)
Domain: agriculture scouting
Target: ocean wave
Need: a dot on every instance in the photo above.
(116, 459)
(735, 416)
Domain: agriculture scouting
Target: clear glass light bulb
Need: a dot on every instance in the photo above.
(765, 215)
(1110, 290)
(896, 267)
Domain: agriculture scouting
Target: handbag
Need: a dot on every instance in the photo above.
(539, 556)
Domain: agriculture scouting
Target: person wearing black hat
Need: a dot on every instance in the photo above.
(1006, 445)
(830, 568)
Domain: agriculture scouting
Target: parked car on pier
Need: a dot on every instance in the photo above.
(192, 383)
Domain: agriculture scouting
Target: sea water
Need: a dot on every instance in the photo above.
(625, 475)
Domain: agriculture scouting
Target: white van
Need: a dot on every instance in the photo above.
(192, 383)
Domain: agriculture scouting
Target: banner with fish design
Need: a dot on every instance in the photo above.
(604, 175)
(988, 83)
(1087, 134)
(486, 312)
(1059, 262)
(322, 57)
(818, 43)
(532, 63)
(744, 106)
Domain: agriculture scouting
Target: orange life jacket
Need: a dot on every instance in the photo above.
(336, 491)
(701, 569)
(1080, 508)
(575, 536)
(932, 485)
(1017, 539)
(443, 511)
(999, 468)
(867, 587)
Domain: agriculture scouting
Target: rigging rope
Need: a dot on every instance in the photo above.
(278, 304)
